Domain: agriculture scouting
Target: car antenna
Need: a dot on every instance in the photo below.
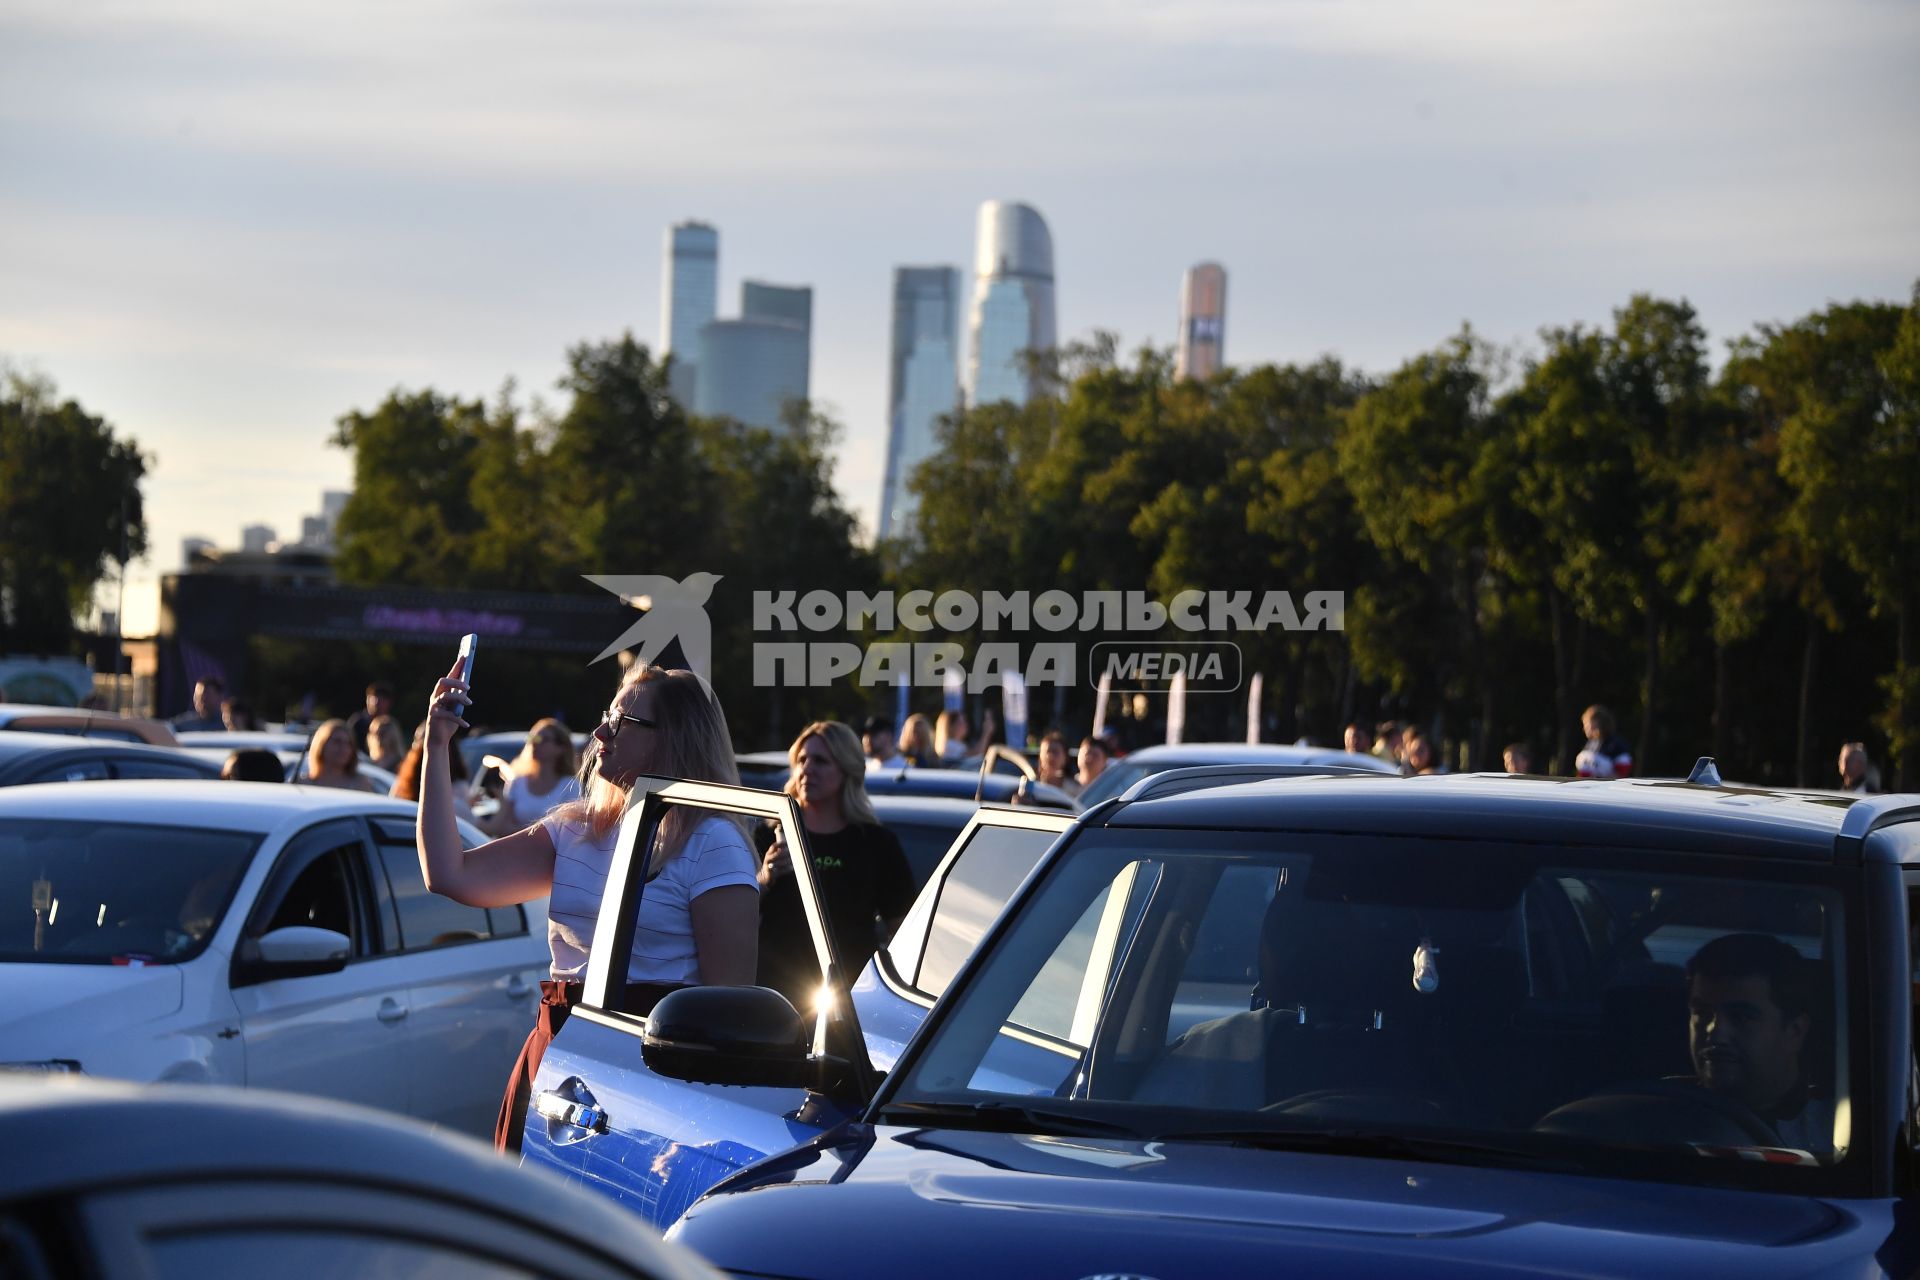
(1705, 773)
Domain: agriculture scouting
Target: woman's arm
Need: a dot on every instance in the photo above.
(515, 868)
(726, 935)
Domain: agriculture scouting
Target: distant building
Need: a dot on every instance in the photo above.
(791, 304)
(190, 547)
(689, 300)
(315, 533)
(922, 381)
(1013, 303)
(750, 369)
(257, 537)
(1203, 322)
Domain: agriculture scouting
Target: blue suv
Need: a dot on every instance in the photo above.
(1440, 1026)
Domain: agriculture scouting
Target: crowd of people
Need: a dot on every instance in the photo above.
(721, 905)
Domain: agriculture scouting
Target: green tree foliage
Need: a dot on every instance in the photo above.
(69, 508)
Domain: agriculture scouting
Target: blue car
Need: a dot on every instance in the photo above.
(1440, 1026)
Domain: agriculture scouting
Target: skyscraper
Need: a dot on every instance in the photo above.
(689, 299)
(750, 368)
(922, 381)
(1012, 301)
(1203, 321)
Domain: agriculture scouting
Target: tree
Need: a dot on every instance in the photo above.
(69, 506)
(411, 518)
(1851, 450)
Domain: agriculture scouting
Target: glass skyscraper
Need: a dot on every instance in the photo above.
(1012, 301)
(751, 368)
(922, 381)
(689, 300)
(1203, 322)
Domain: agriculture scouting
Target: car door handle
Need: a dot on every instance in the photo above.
(517, 988)
(392, 1010)
(557, 1106)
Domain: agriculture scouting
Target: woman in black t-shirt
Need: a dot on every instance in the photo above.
(864, 882)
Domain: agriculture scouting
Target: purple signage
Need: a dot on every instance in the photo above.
(451, 622)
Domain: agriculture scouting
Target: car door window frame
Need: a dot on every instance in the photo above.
(301, 851)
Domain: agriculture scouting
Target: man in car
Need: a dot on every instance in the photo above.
(1750, 1003)
(877, 742)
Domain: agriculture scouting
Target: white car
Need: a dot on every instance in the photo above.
(259, 934)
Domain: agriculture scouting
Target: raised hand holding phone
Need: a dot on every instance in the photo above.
(452, 695)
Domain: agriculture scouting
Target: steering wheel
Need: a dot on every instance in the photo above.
(1658, 1111)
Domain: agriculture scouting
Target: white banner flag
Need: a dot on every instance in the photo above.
(1013, 704)
(1177, 707)
(956, 690)
(1255, 688)
(1100, 703)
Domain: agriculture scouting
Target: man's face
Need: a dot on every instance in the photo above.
(1852, 768)
(1743, 1045)
(1359, 741)
(206, 700)
(878, 743)
(379, 705)
(1093, 761)
(1590, 726)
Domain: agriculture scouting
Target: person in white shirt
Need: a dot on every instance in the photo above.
(540, 780)
(699, 917)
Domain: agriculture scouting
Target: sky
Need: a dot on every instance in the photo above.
(222, 226)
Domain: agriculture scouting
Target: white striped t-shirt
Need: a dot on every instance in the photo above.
(715, 854)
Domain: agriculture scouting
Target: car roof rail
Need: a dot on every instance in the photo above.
(1196, 777)
(1866, 816)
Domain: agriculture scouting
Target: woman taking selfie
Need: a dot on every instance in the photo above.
(698, 917)
(864, 882)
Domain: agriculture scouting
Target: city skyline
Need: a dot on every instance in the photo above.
(229, 227)
(753, 367)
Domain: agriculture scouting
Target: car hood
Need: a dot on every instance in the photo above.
(48, 1009)
(1077, 1207)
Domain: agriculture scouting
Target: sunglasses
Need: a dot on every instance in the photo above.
(615, 720)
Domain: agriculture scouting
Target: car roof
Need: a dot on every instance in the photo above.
(212, 803)
(1635, 813)
(1172, 755)
(270, 739)
(89, 1135)
(941, 810)
(15, 744)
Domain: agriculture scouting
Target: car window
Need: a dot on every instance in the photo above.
(428, 919)
(98, 892)
(924, 844)
(72, 771)
(320, 897)
(150, 768)
(982, 878)
(1402, 986)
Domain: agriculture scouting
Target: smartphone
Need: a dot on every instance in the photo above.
(468, 643)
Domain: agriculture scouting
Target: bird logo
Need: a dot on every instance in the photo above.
(674, 611)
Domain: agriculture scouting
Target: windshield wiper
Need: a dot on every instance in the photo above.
(1005, 1117)
(1360, 1142)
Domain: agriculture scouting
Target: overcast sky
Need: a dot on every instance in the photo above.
(222, 226)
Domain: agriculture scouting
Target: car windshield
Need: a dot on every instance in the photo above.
(112, 892)
(1669, 1017)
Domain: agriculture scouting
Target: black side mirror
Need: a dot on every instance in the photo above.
(729, 1035)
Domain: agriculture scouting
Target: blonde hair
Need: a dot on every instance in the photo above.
(843, 745)
(323, 738)
(524, 765)
(694, 744)
(916, 739)
(943, 731)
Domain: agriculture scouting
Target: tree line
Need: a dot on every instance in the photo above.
(1726, 558)
(1723, 555)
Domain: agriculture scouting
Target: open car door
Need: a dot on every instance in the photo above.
(598, 1115)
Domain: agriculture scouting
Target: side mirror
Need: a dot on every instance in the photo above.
(296, 951)
(729, 1035)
